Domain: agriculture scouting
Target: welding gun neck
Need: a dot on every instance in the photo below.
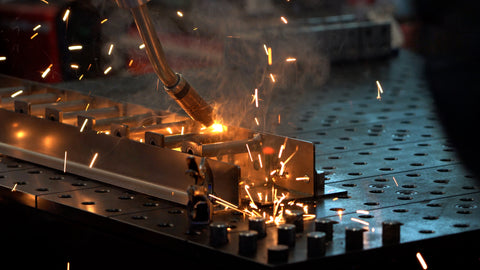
(153, 46)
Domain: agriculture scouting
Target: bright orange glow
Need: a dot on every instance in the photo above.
(216, 127)
(421, 261)
(103, 21)
(179, 14)
(16, 93)
(65, 15)
(291, 59)
(284, 20)
(270, 56)
(20, 134)
(272, 77)
(34, 35)
(45, 73)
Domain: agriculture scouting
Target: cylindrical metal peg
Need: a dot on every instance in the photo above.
(286, 234)
(354, 238)
(258, 224)
(247, 242)
(391, 232)
(218, 234)
(278, 254)
(316, 244)
(325, 225)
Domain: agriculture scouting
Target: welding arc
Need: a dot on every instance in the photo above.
(175, 85)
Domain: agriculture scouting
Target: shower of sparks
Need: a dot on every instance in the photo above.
(84, 124)
(395, 180)
(16, 93)
(75, 47)
(34, 35)
(93, 160)
(421, 261)
(179, 14)
(272, 77)
(107, 70)
(249, 153)
(364, 212)
(303, 178)
(260, 160)
(256, 121)
(103, 21)
(252, 203)
(14, 187)
(284, 20)
(360, 221)
(291, 156)
(45, 73)
(65, 15)
(110, 49)
(65, 163)
(291, 59)
(231, 205)
(37, 27)
(270, 61)
(379, 90)
(3, 58)
(141, 46)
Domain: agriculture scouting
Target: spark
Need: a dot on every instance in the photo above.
(45, 73)
(232, 206)
(93, 160)
(65, 163)
(14, 187)
(269, 56)
(3, 58)
(303, 178)
(80, 78)
(282, 168)
(360, 221)
(249, 153)
(110, 49)
(273, 172)
(183, 130)
(68, 265)
(252, 203)
(169, 130)
(141, 46)
(37, 27)
(65, 15)
(266, 49)
(291, 59)
(260, 160)
(284, 20)
(107, 70)
(309, 216)
(34, 35)
(256, 97)
(44, 1)
(16, 93)
(75, 47)
(130, 63)
(74, 66)
(340, 213)
(379, 90)
(279, 119)
(421, 261)
(179, 13)
(395, 180)
(280, 152)
(259, 194)
(291, 156)
(84, 124)
(334, 199)
(272, 77)
(364, 212)
(104, 21)
(256, 121)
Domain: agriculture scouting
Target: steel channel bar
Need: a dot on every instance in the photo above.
(8, 103)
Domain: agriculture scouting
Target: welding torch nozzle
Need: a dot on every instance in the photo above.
(175, 85)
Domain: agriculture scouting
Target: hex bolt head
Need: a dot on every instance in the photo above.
(391, 232)
(316, 244)
(286, 234)
(258, 224)
(325, 225)
(354, 238)
(247, 242)
(218, 234)
(278, 254)
(295, 217)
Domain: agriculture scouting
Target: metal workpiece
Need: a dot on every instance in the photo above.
(258, 224)
(391, 232)
(175, 85)
(316, 244)
(107, 123)
(23, 106)
(354, 238)
(286, 234)
(218, 234)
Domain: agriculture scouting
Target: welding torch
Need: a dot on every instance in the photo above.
(174, 84)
